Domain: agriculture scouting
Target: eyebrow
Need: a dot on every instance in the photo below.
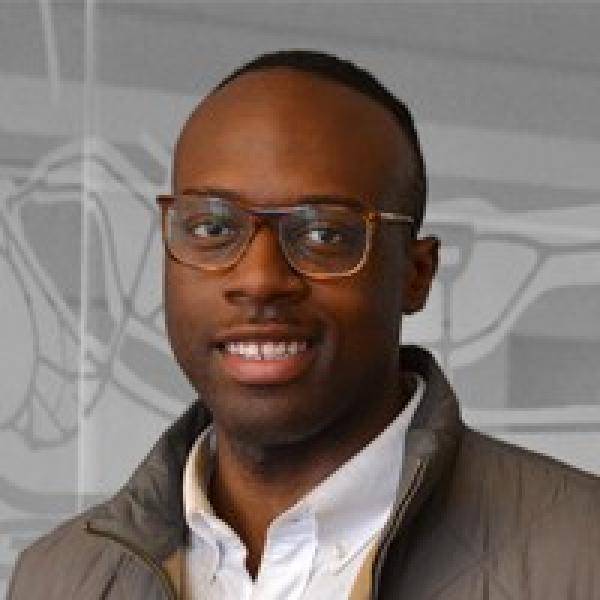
(308, 199)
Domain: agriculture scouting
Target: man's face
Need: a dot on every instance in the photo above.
(275, 137)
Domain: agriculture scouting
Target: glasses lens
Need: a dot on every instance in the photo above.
(207, 231)
(324, 239)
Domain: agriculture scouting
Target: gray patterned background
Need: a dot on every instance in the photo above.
(92, 95)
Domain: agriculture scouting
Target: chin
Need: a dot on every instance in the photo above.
(268, 425)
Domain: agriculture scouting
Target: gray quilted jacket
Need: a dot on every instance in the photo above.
(474, 519)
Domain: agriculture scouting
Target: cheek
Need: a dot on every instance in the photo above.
(362, 310)
(372, 301)
(187, 304)
(388, 274)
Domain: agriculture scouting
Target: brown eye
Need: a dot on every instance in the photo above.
(325, 235)
(209, 228)
(209, 232)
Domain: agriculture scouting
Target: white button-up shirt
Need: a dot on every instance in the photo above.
(314, 549)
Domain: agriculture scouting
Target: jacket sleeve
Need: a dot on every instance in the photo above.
(64, 564)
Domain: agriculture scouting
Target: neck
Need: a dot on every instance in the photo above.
(253, 485)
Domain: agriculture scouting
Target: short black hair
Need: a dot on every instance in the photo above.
(343, 71)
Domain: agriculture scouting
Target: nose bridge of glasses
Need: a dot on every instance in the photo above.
(271, 214)
(271, 218)
(261, 217)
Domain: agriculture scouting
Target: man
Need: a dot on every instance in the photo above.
(322, 460)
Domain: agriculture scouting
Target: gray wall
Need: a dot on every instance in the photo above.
(91, 98)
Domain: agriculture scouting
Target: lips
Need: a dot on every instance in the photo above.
(270, 354)
(266, 333)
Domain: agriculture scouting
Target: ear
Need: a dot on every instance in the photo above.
(422, 258)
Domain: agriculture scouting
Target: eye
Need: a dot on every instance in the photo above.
(323, 232)
(208, 227)
(209, 232)
(325, 235)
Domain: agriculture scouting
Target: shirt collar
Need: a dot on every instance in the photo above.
(197, 473)
(349, 505)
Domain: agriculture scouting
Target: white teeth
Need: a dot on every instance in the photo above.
(250, 349)
(266, 350)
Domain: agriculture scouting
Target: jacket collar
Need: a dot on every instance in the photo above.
(431, 445)
(148, 510)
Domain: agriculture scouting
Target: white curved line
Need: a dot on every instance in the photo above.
(573, 269)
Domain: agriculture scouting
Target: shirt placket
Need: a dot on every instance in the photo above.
(288, 558)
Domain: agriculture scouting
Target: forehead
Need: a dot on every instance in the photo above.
(281, 133)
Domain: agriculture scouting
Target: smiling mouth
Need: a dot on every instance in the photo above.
(266, 350)
(266, 362)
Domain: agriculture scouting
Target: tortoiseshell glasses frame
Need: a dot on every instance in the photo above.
(255, 216)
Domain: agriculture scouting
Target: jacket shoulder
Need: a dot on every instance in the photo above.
(477, 446)
(65, 563)
(527, 500)
(507, 523)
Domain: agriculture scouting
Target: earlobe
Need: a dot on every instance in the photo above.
(421, 265)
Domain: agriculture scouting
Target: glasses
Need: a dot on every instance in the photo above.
(321, 239)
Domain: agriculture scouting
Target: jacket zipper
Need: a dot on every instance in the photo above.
(166, 582)
(394, 525)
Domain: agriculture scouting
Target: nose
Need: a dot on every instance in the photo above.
(263, 274)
